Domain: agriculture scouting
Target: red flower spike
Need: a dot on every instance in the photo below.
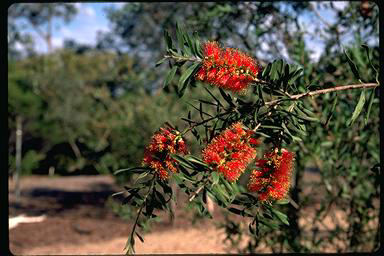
(211, 49)
(227, 68)
(157, 153)
(272, 181)
(200, 75)
(230, 152)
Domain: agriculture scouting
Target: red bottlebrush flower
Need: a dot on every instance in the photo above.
(230, 152)
(272, 181)
(157, 153)
(227, 68)
(254, 141)
(212, 49)
(201, 74)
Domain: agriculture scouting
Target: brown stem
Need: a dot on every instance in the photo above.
(324, 91)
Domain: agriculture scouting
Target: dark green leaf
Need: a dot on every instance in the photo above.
(268, 223)
(185, 76)
(358, 108)
(160, 61)
(218, 102)
(132, 169)
(368, 55)
(371, 98)
(302, 115)
(182, 161)
(196, 160)
(270, 127)
(266, 70)
(235, 211)
(226, 97)
(353, 66)
(180, 36)
(281, 216)
(332, 110)
(170, 75)
(296, 74)
(161, 198)
(168, 40)
(140, 237)
(197, 43)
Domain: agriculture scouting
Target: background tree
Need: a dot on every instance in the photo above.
(39, 16)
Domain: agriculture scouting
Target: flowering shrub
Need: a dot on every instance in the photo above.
(271, 115)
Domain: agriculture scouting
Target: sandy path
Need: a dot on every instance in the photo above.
(174, 241)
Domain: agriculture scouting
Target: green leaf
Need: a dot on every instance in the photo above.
(268, 223)
(371, 98)
(369, 59)
(295, 138)
(140, 237)
(216, 178)
(226, 97)
(196, 160)
(168, 39)
(160, 61)
(283, 201)
(218, 102)
(142, 175)
(185, 76)
(197, 44)
(170, 75)
(180, 36)
(266, 70)
(270, 127)
(302, 115)
(281, 216)
(296, 74)
(353, 66)
(132, 169)
(358, 108)
(235, 211)
(188, 40)
(332, 110)
(182, 161)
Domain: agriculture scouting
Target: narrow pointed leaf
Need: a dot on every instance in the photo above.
(185, 76)
(170, 75)
(358, 108)
(353, 66)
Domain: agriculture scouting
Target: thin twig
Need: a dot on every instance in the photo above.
(196, 193)
(257, 127)
(141, 208)
(325, 91)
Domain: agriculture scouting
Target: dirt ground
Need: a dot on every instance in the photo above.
(79, 221)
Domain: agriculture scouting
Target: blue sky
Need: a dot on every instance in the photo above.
(91, 18)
